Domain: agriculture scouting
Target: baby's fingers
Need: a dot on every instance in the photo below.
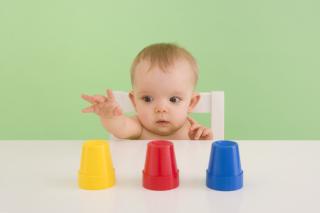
(192, 122)
(206, 135)
(89, 98)
(205, 132)
(88, 109)
(199, 133)
(110, 95)
(100, 98)
(195, 127)
(94, 99)
(193, 130)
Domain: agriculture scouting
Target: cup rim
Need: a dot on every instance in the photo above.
(225, 143)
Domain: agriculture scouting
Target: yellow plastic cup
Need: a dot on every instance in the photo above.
(96, 169)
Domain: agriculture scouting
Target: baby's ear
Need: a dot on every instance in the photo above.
(131, 96)
(194, 101)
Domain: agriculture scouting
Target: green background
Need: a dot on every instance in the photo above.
(263, 54)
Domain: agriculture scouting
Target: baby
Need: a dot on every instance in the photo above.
(163, 78)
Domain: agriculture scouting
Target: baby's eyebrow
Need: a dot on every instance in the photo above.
(174, 93)
(178, 93)
(143, 93)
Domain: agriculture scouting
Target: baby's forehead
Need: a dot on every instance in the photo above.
(147, 65)
(180, 68)
(163, 86)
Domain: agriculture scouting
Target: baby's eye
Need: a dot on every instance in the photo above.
(147, 99)
(175, 99)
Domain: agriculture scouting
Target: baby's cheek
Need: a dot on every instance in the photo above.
(181, 116)
(144, 115)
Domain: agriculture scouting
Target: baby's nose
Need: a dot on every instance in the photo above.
(160, 109)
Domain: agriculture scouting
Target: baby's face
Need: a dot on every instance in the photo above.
(162, 99)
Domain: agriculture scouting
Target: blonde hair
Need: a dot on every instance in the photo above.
(164, 55)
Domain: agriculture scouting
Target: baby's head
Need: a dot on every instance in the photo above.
(163, 78)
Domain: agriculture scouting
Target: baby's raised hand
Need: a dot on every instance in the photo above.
(103, 106)
(198, 132)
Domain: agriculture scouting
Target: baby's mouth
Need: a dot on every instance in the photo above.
(162, 122)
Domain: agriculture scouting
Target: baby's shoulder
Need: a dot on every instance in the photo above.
(138, 126)
(145, 133)
(135, 118)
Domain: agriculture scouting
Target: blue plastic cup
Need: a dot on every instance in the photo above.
(224, 172)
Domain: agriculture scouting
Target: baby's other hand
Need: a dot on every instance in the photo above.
(103, 106)
(198, 132)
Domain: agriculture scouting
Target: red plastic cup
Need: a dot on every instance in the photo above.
(160, 169)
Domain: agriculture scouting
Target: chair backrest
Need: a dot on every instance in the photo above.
(210, 102)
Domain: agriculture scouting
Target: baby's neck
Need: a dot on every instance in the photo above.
(180, 134)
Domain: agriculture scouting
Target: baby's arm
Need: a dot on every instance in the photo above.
(111, 116)
(122, 126)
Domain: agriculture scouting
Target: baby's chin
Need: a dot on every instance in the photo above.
(164, 131)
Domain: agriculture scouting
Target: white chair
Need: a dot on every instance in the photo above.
(210, 102)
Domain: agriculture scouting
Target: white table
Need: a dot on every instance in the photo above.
(41, 176)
